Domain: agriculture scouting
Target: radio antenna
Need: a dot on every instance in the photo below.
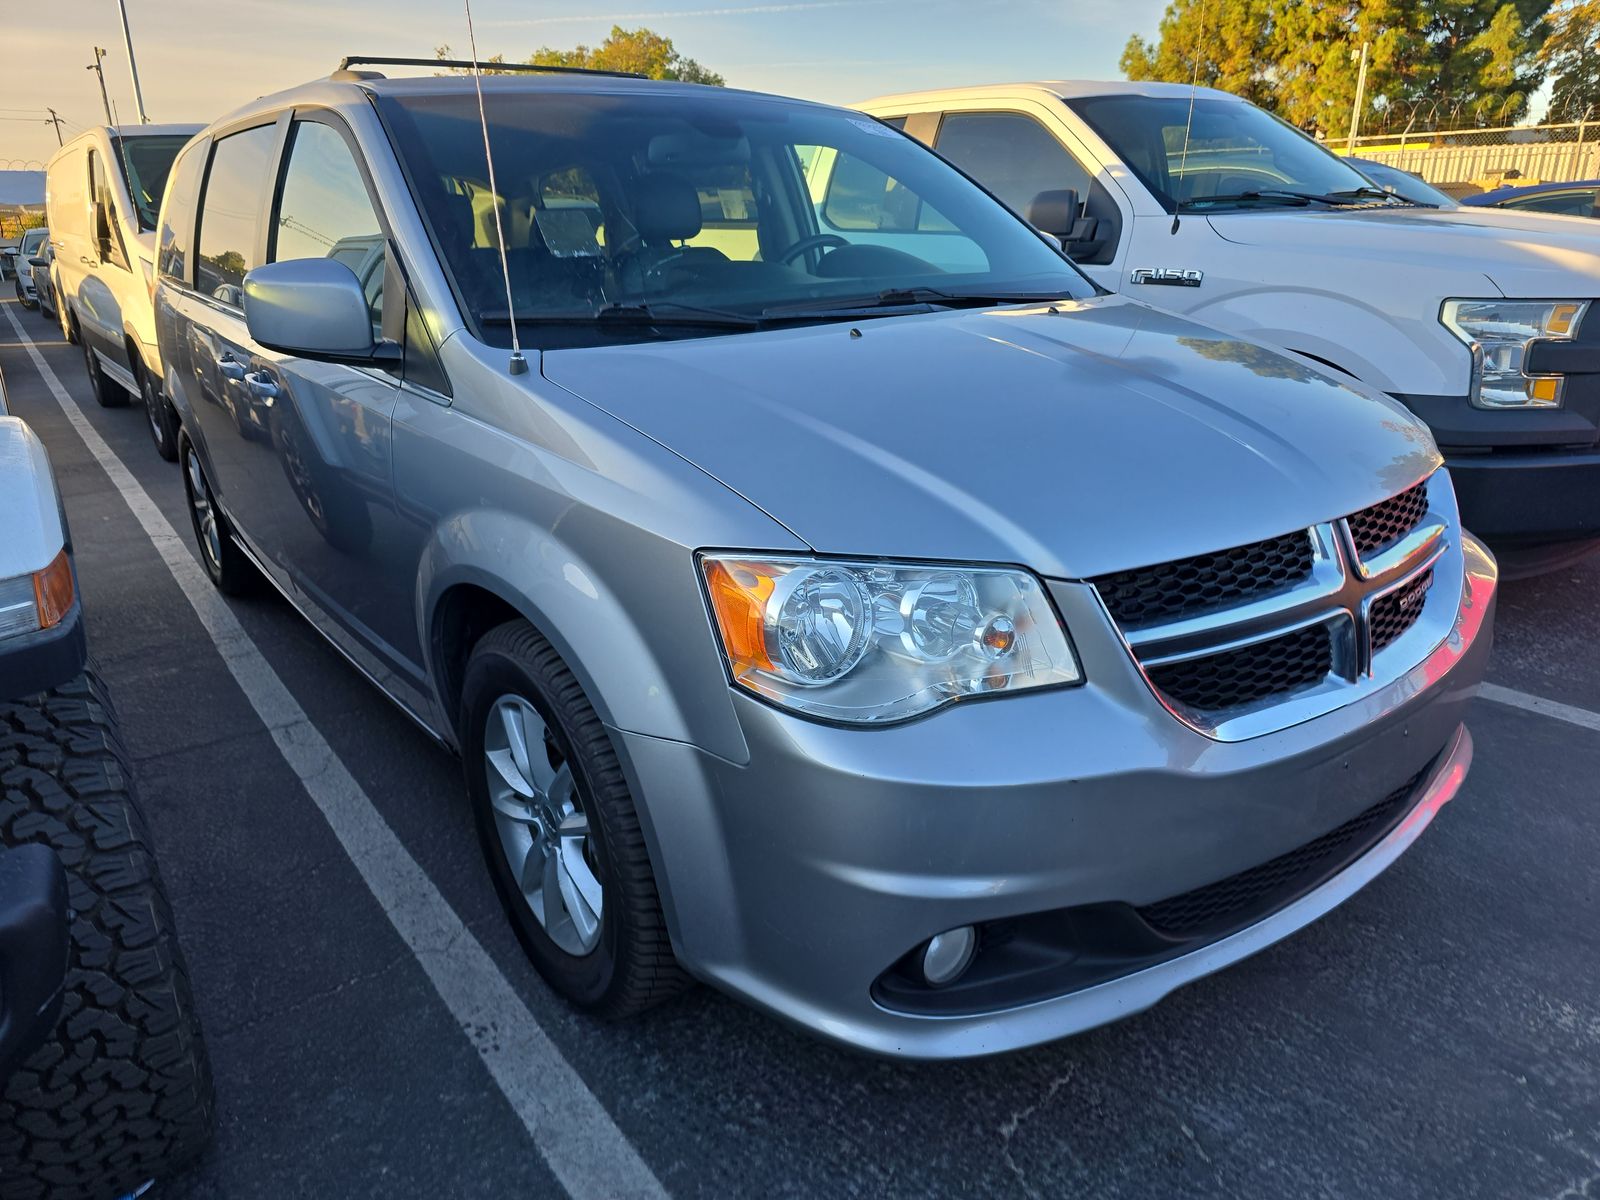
(518, 365)
(1194, 86)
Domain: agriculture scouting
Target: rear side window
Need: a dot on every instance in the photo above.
(177, 215)
(1012, 155)
(324, 211)
(229, 211)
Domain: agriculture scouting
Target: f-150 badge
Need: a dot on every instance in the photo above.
(1169, 276)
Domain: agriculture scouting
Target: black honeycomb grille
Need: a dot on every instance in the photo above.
(1398, 611)
(1244, 676)
(1189, 586)
(1375, 528)
(1247, 897)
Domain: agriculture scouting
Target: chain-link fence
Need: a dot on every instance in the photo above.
(1486, 157)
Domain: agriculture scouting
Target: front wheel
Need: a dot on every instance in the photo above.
(559, 829)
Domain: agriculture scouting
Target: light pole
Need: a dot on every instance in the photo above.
(133, 70)
(1355, 109)
(104, 97)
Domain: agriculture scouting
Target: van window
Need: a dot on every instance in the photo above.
(1012, 155)
(324, 211)
(177, 215)
(229, 212)
(107, 234)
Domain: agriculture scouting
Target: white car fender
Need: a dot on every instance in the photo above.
(34, 532)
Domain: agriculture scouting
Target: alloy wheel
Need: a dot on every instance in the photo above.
(205, 513)
(543, 826)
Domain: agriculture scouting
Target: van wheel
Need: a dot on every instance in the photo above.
(228, 566)
(559, 829)
(121, 1092)
(108, 393)
(162, 420)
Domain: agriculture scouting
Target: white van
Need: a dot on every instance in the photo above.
(1483, 322)
(102, 193)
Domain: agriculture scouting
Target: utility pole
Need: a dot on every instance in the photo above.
(57, 121)
(133, 70)
(1355, 109)
(105, 97)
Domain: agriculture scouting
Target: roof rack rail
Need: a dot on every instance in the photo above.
(465, 64)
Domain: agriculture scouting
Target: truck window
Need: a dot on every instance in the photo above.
(240, 168)
(107, 235)
(860, 196)
(1012, 155)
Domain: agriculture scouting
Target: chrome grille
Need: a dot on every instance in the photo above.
(1240, 642)
(1373, 529)
(1205, 582)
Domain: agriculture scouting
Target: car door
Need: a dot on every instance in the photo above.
(330, 504)
(108, 272)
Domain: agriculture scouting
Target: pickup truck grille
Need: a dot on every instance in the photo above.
(1233, 631)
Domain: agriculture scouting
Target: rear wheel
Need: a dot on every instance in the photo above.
(162, 420)
(108, 393)
(559, 829)
(228, 566)
(122, 1091)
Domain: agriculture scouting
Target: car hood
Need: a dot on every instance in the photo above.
(1534, 255)
(1075, 439)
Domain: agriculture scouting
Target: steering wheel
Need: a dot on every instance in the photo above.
(816, 241)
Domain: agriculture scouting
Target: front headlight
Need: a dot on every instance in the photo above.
(1499, 332)
(30, 603)
(869, 642)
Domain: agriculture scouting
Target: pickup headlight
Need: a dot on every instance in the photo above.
(870, 642)
(1498, 332)
(29, 603)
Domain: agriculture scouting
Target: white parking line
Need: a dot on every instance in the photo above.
(583, 1147)
(1581, 717)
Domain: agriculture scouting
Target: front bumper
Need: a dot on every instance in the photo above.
(798, 879)
(1528, 497)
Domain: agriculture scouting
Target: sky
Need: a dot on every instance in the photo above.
(198, 59)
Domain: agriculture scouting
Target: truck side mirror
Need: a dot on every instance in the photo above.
(1054, 212)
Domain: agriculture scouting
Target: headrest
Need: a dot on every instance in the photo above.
(666, 207)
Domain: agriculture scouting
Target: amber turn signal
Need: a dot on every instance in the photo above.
(52, 591)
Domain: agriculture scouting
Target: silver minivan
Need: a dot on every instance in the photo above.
(912, 640)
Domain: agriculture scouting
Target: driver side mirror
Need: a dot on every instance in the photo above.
(1057, 214)
(313, 308)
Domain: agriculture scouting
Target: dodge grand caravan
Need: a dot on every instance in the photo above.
(910, 639)
(102, 190)
(1483, 323)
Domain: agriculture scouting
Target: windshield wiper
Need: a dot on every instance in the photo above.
(900, 299)
(1355, 195)
(629, 314)
(1271, 195)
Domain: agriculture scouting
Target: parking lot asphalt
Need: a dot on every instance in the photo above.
(1438, 1035)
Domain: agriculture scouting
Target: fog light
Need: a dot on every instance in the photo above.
(948, 954)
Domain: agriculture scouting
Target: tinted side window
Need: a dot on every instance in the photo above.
(177, 215)
(861, 197)
(240, 171)
(1572, 204)
(324, 211)
(1013, 156)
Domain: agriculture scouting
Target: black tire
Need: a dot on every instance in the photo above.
(122, 1093)
(108, 393)
(632, 967)
(228, 566)
(160, 417)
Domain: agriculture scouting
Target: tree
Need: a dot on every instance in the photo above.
(1572, 56)
(641, 51)
(1475, 59)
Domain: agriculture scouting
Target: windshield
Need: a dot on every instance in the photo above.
(1234, 149)
(715, 212)
(145, 162)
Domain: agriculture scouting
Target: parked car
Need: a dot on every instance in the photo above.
(909, 638)
(104, 1080)
(27, 248)
(102, 192)
(1406, 184)
(40, 267)
(1581, 199)
(1481, 322)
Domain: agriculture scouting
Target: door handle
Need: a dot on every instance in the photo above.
(232, 369)
(88, 262)
(260, 386)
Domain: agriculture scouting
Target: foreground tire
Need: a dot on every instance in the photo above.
(122, 1092)
(108, 393)
(228, 566)
(559, 830)
(158, 414)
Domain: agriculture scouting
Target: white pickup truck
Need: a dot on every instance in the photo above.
(1483, 322)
